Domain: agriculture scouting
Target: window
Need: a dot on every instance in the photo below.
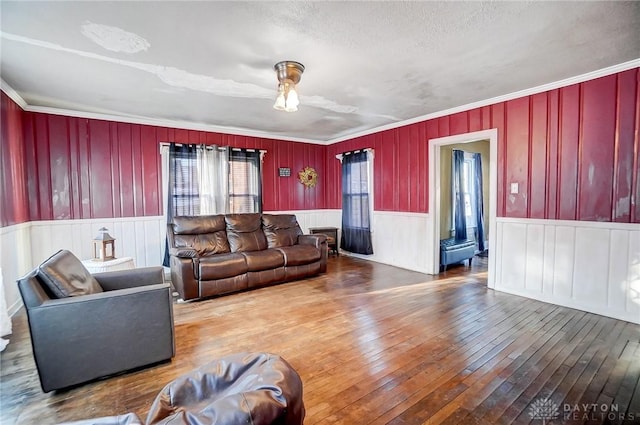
(468, 192)
(356, 202)
(245, 188)
(185, 200)
(210, 180)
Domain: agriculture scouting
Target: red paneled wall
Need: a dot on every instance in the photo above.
(84, 168)
(573, 151)
(13, 175)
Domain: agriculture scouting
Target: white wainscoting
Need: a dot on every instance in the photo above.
(28, 244)
(585, 265)
(15, 261)
(589, 266)
(399, 238)
(141, 238)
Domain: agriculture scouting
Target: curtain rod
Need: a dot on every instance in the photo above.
(343, 154)
(216, 146)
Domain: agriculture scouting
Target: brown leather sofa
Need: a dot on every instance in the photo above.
(218, 254)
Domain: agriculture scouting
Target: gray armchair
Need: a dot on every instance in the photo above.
(85, 327)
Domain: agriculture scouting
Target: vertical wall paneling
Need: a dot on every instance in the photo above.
(43, 164)
(632, 284)
(618, 276)
(514, 242)
(590, 277)
(534, 266)
(404, 145)
(568, 152)
(551, 166)
(125, 167)
(14, 197)
(498, 121)
(458, 123)
(61, 191)
(86, 168)
(624, 153)
(564, 262)
(538, 157)
(100, 162)
(517, 156)
(635, 197)
(591, 266)
(15, 261)
(597, 146)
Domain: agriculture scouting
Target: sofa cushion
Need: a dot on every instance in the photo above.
(221, 266)
(196, 225)
(244, 232)
(298, 255)
(263, 260)
(200, 236)
(280, 230)
(65, 276)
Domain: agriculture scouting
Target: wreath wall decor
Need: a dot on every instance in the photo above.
(308, 177)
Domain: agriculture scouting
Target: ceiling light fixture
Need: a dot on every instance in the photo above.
(289, 73)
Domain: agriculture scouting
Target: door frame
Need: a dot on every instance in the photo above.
(434, 193)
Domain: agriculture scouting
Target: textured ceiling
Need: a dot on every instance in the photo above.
(368, 64)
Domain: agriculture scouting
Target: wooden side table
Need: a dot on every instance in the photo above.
(123, 263)
(332, 236)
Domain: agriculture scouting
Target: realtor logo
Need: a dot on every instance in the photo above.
(544, 409)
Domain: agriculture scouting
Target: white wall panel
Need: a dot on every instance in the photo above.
(633, 280)
(563, 262)
(15, 261)
(548, 260)
(534, 265)
(514, 241)
(589, 266)
(399, 239)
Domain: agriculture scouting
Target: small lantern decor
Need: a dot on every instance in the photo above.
(104, 246)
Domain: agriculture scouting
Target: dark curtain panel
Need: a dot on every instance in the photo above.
(457, 179)
(245, 182)
(356, 229)
(183, 198)
(477, 179)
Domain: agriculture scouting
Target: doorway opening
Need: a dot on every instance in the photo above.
(440, 217)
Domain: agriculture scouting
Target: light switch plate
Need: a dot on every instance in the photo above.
(514, 188)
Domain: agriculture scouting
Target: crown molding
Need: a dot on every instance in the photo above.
(635, 63)
(9, 91)
(185, 125)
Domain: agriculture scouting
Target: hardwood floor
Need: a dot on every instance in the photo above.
(375, 344)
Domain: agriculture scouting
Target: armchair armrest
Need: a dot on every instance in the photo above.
(110, 281)
(78, 339)
(315, 240)
(183, 252)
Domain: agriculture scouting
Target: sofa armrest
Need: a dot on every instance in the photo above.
(319, 241)
(121, 279)
(183, 252)
(78, 339)
(315, 240)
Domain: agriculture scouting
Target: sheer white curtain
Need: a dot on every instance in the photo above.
(213, 180)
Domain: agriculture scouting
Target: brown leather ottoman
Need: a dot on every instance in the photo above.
(246, 388)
